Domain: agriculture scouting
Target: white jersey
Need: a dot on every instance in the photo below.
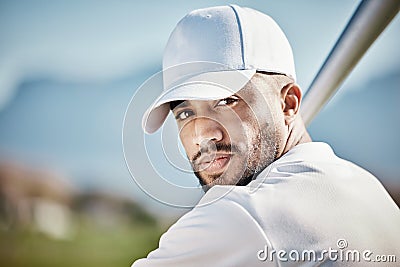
(308, 208)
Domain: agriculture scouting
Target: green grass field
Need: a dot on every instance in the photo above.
(90, 246)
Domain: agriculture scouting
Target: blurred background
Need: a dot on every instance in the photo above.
(68, 70)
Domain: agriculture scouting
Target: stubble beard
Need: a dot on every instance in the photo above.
(261, 152)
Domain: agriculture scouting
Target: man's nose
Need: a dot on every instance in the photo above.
(207, 129)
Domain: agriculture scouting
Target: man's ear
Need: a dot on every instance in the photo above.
(290, 101)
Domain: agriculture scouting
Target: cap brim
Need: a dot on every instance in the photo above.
(204, 86)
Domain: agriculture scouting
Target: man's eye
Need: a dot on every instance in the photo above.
(182, 115)
(228, 101)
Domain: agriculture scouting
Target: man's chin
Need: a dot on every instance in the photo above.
(212, 180)
(208, 181)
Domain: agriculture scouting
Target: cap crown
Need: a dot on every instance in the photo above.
(237, 38)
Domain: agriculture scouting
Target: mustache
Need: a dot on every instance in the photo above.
(219, 147)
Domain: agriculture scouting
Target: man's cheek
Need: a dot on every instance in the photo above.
(248, 136)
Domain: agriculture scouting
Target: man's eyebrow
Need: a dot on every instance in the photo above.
(180, 103)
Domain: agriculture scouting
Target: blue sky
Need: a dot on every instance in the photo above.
(69, 68)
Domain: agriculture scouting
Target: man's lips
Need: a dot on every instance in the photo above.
(213, 164)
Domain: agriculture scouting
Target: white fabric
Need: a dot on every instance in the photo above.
(236, 38)
(306, 200)
(223, 41)
(265, 46)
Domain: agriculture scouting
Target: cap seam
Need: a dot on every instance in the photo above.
(242, 48)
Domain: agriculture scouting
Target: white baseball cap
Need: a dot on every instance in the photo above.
(213, 52)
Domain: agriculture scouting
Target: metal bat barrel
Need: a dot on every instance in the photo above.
(367, 23)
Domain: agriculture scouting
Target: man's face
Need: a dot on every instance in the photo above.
(230, 140)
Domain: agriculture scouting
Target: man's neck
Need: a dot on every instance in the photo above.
(297, 135)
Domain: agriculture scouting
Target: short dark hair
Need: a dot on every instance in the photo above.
(174, 104)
